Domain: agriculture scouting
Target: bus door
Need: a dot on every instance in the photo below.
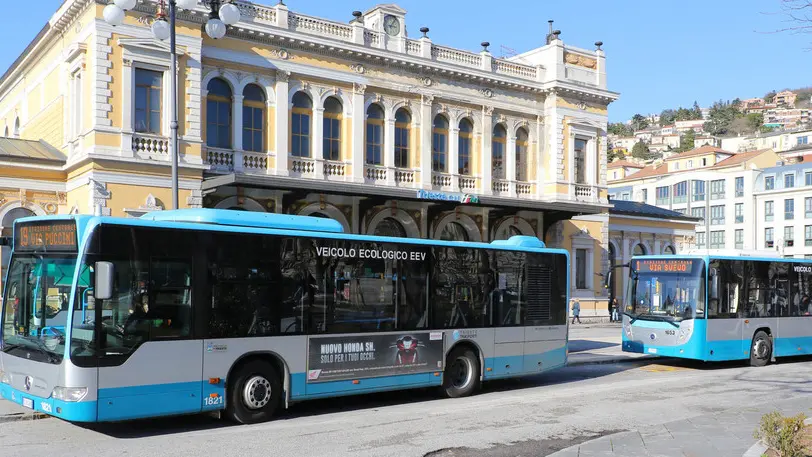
(150, 364)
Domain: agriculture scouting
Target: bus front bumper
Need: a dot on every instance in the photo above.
(81, 411)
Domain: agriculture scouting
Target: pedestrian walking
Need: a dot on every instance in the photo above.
(576, 311)
(615, 310)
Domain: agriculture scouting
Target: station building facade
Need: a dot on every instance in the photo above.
(384, 132)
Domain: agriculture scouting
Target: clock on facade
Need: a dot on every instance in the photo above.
(391, 25)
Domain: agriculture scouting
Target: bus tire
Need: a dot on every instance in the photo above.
(461, 375)
(255, 394)
(761, 350)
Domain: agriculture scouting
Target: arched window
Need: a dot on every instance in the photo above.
(454, 232)
(6, 133)
(439, 144)
(612, 255)
(253, 118)
(8, 223)
(639, 250)
(521, 155)
(375, 134)
(218, 114)
(498, 151)
(17, 127)
(670, 250)
(331, 149)
(403, 121)
(390, 227)
(300, 125)
(465, 142)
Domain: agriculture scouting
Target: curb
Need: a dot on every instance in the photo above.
(18, 417)
(611, 360)
(756, 450)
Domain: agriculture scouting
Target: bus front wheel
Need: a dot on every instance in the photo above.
(255, 394)
(461, 375)
(762, 349)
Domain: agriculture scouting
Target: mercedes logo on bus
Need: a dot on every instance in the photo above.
(653, 336)
(28, 381)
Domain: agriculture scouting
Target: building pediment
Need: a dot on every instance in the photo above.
(151, 45)
(389, 8)
(587, 123)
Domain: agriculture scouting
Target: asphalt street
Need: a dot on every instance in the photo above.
(534, 416)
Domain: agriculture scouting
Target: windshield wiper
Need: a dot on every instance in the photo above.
(39, 346)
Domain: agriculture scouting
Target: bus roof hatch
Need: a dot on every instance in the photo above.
(247, 219)
(520, 241)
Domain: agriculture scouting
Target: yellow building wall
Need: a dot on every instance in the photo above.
(125, 196)
(48, 125)
(598, 305)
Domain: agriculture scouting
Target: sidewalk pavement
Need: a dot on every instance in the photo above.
(10, 412)
(725, 434)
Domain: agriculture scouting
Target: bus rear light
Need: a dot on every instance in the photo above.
(70, 394)
(214, 380)
(5, 378)
(355, 381)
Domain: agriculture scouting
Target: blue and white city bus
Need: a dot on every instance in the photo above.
(719, 307)
(189, 311)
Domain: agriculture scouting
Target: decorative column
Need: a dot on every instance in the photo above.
(358, 118)
(317, 141)
(389, 150)
(127, 127)
(425, 140)
(236, 132)
(510, 163)
(453, 157)
(282, 121)
(487, 159)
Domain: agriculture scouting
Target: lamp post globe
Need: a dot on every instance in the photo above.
(216, 28)
(125, 5)
(186, 4)
(161, 30)
(229, 14)
(113, 15)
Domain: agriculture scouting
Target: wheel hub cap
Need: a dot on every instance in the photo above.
(761, 349)
(460, 373)
(257, 392)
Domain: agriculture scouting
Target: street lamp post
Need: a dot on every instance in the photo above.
(221, 14)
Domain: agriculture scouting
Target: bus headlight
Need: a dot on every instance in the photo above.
(684, 333)
(628, 329)
(5, 378)
(71, 394)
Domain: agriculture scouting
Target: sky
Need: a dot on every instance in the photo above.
(659, 54)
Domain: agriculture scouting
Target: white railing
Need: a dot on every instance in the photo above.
(444, 54)
(150, 144)
(441, 179)
(333, 168)
(253, 162)
(220, 159)
(500, 185)
(403, 176)
(371, 38)
(514, 69)
(584, 193)
(375, 174)
(413, 47)
(257, 12)
(581, 75)
(523, 188)
(309, 24)
(303, 165)
(469, 183)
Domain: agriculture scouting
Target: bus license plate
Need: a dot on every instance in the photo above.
(652, 350)
(28, 403)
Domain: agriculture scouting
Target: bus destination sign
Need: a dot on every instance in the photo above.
(46, 236)
(664, 266)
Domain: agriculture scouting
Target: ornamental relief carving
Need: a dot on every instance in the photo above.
(579, 60)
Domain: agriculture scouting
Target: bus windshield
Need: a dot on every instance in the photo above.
(36, 306)
(666, 289)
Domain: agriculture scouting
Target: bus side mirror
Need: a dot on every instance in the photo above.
(103, 289)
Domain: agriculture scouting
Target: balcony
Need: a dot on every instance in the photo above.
(151, 146)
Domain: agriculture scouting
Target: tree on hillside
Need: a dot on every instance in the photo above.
(667, 117)
(612, 155)
(639, 122)
(721, 117)
(697, 111)
(641, 151)
(619, 129)
(687, 140)
(768, 97)
(755, 121)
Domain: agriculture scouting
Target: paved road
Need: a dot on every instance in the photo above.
(531, 417)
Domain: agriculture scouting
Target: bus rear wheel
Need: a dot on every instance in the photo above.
(461, 375)
(761, 350)
(255, 394)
